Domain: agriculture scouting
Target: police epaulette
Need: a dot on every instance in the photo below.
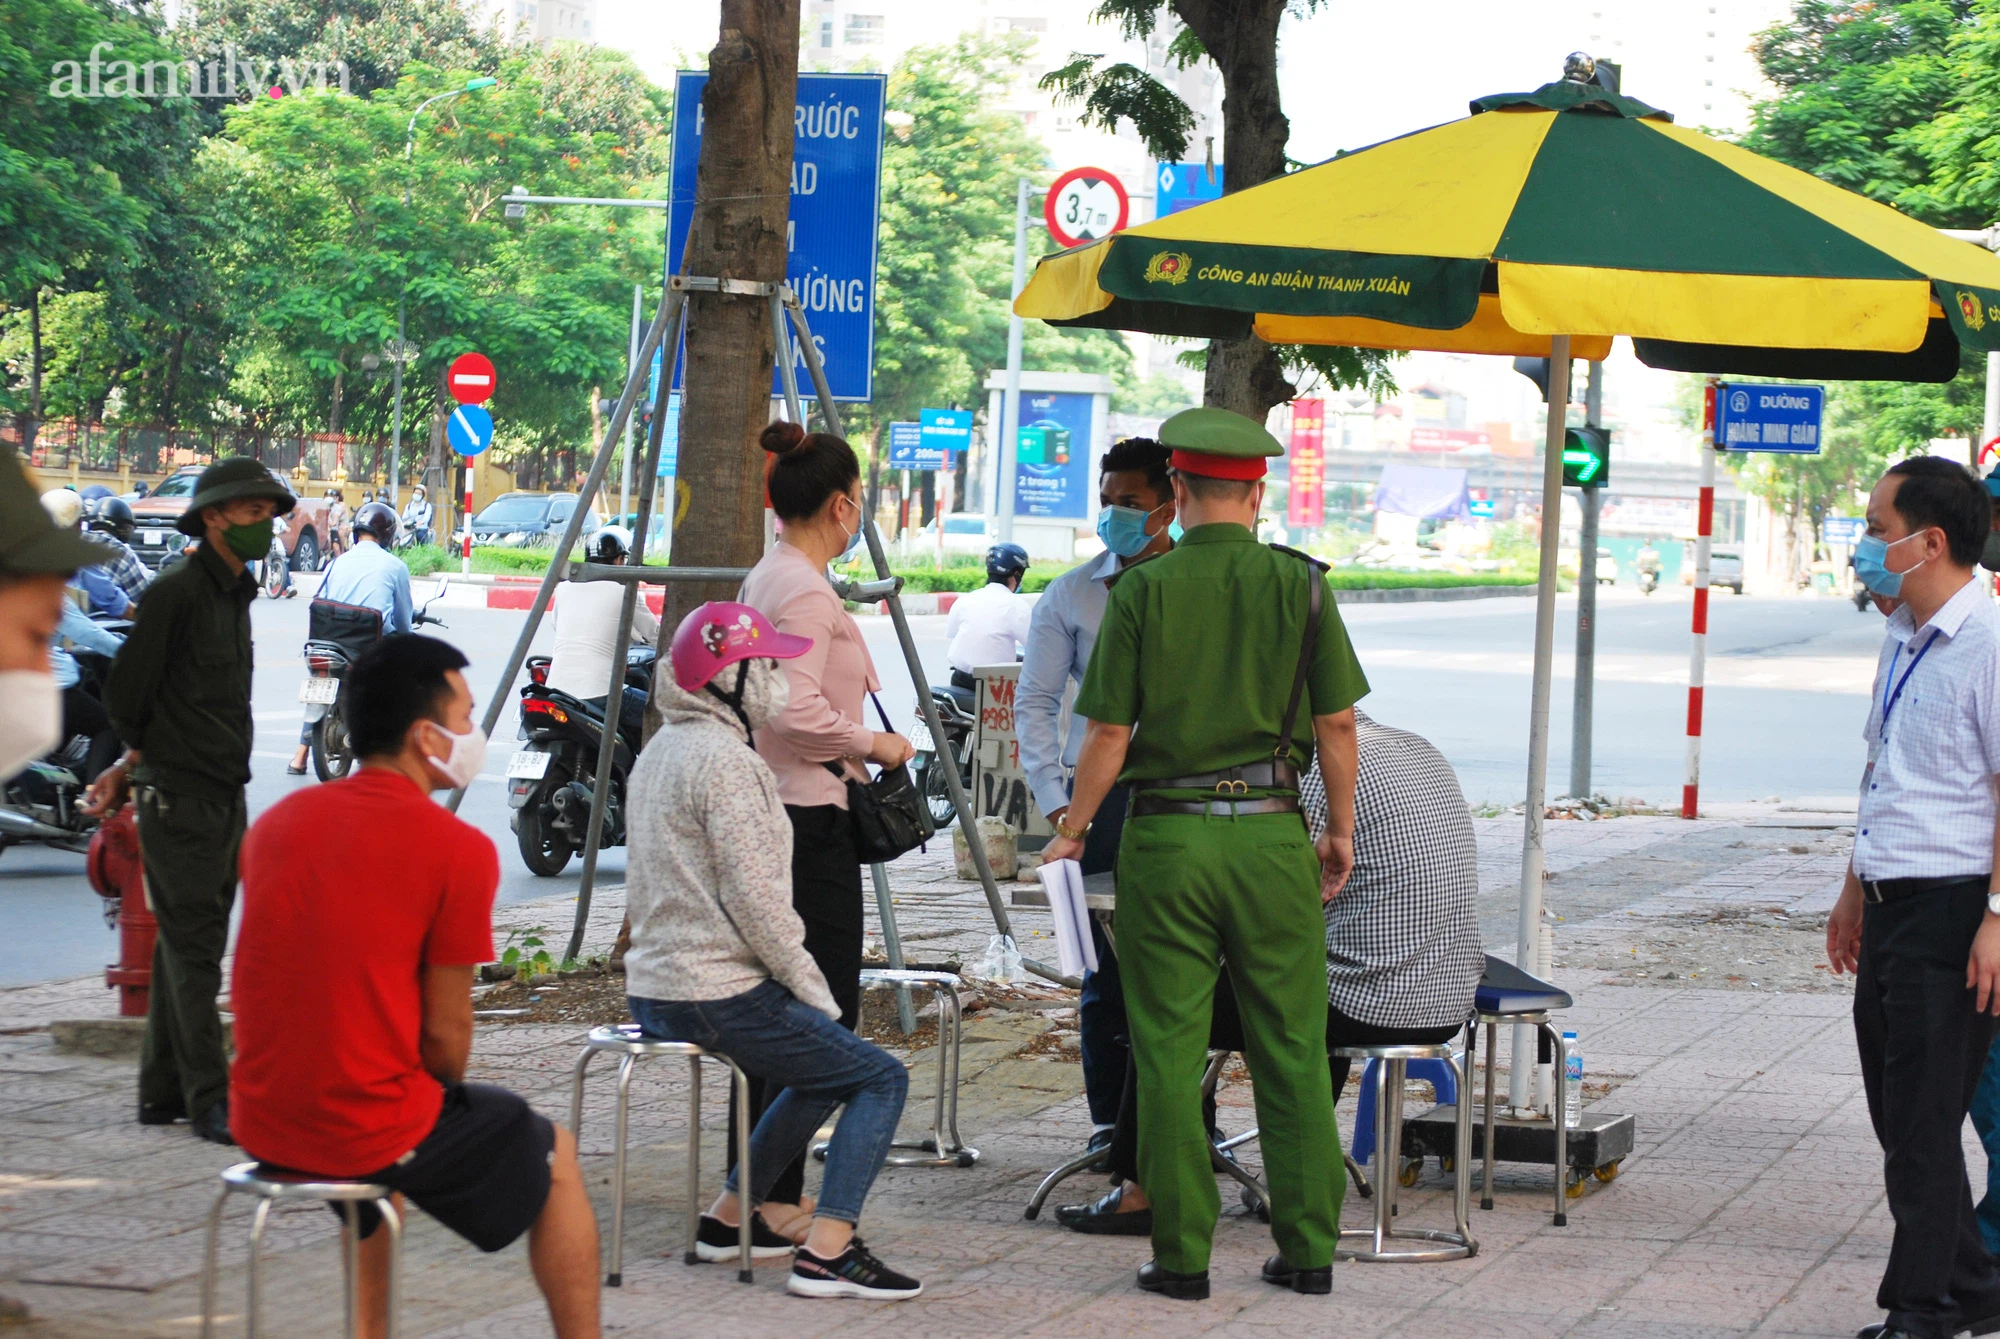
(1119, 575)
(1316, 562)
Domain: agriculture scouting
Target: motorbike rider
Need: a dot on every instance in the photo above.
(336, 522)
(417, 515)
(990, 625)
(586, 617)
(108, 521)
(368, 575)
(101, 595)
(1649, 558)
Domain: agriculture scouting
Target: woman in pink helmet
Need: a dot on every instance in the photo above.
(718, 955)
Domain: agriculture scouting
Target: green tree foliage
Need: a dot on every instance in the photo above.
(950, 171)
(1885, 99)
(375, 39)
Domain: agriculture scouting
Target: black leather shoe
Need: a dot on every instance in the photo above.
(213, 1125)
(164, 1113)
(1312, 1281)
(1883, 1330)
(1180, 1287)
(1103, 1218)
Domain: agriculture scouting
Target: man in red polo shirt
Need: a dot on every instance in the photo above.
(353, 994)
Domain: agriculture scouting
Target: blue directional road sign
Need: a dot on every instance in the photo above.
(836, 203)
(945, 431)
(906, 448)
(1844, 529)
(670, 435)
(469, 429)
(1758, 416)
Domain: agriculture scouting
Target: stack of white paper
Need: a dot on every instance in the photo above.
(1062, 880)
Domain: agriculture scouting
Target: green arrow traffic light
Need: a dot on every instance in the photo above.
(1586, 457)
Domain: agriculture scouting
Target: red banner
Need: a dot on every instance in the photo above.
(1305, 505)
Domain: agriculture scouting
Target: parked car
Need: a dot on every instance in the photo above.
(302, 539)
(1725, 566)
(964, 532)
(525, 520)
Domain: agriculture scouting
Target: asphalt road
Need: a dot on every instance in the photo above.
(1788, 692)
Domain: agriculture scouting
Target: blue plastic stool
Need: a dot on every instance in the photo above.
(1437, 1072)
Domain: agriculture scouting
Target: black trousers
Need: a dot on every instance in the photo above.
(1106, 1040)
(826, 892)
(188, 844)
(1225, 1033)
(1922, 1049)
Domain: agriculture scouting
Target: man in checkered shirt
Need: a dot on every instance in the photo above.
(1918, 921)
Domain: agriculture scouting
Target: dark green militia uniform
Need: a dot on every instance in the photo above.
(179, 693)
(1198, 652)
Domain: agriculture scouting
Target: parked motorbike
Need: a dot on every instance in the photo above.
(324, 693)
(549, 778)
(40, 803)
(1649, 580)
(957, 710)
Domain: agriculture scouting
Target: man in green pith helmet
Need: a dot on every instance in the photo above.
(179, 695)
(1220, 668)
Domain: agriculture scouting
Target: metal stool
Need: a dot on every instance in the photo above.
(627, 1041)
(1388, 1156)
(944, 1113)
(272, 1186)
(1506, 994)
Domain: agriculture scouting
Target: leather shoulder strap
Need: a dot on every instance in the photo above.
(1316, 595)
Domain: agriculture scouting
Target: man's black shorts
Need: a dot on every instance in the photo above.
(482, 1171)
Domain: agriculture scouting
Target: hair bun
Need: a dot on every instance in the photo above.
(781, 438)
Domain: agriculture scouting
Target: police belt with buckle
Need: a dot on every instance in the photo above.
(1894, 890)
(1231, 785)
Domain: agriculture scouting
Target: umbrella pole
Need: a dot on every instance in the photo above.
(1527, 943)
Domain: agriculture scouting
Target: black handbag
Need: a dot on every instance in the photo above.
(887, 814)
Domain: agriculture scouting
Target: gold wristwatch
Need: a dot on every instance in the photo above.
(1069, 833)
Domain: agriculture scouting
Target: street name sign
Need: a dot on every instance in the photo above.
(831, 235)
(1185, 185)
(470, 378)
(906, 447)
(1759, 416)
(1844, 529)
(1084, 205)
(469, 429)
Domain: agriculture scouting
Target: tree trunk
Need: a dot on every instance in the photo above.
(742, 200)
(1241, 37)
(33, 421)
(339, 394)
(437, 469)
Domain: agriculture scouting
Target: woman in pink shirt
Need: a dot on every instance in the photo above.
(820, 739)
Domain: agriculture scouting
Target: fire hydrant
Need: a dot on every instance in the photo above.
(119, 877)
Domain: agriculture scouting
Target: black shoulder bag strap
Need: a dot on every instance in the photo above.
(1317, 592)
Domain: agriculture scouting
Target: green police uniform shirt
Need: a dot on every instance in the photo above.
(1198, 650)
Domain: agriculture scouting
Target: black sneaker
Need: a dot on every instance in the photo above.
(715, 1240)
(852, 1273)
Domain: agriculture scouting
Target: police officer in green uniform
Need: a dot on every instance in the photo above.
(179, 695)
(1220, 667)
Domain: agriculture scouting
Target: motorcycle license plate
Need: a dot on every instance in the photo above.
(920, 737)
(528, 765)
(319, 692)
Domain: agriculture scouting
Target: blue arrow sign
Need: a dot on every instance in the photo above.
(469, 430)
(836, 202)
(1760, 416)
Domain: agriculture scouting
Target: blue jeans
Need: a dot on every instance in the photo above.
(1986, 1120)
(773, 1036)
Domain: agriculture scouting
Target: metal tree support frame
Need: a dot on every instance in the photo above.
(671, 315)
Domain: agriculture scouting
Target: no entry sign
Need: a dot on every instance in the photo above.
(470, 378)
(1085, 204)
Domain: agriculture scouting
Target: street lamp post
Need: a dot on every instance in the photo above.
(400, 353)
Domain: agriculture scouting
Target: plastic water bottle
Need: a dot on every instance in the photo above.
(1572, 1081)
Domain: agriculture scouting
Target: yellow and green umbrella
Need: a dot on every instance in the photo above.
(1572, 211)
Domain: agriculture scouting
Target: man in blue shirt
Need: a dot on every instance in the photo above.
(368, 575)
(1135, 511)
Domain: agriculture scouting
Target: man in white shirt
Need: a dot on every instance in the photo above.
(1917, 920)
(586, 614)
(990, 625)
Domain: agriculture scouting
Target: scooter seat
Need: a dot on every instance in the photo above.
(967, 698)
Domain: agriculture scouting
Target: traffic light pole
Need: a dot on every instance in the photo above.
(1586, 606)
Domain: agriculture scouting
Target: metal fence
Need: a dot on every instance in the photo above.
(99, 448)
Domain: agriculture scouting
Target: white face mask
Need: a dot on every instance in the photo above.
(30, 718)
(467, 757)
